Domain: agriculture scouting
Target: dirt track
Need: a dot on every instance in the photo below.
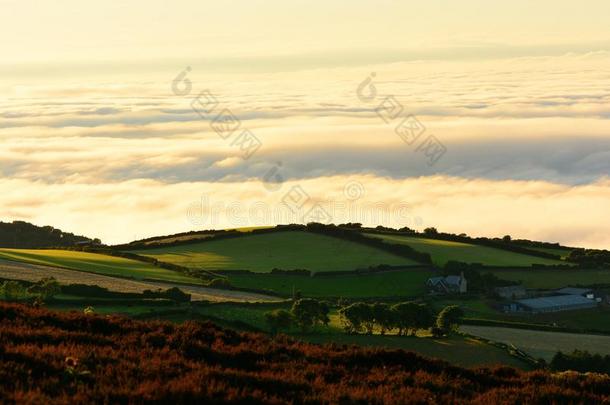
(31, 272)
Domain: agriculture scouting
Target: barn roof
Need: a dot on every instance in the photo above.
(555, 301)
(574, 291)
(453, 280)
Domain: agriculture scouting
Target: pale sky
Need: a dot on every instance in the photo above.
(77, 31)
(93, 140)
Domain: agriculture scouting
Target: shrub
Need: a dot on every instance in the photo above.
(309, 312)
(449, 318)
(12, 290)
(94, 359)
(279, 319)
(220, 283)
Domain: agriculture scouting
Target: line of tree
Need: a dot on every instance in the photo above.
(44, 289)
(305, 313)
(23, 235)
(590, 257)
(405, 317)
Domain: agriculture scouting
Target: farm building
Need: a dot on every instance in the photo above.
(511, 291)
(554, 303)
(583, 292)
(448, 285)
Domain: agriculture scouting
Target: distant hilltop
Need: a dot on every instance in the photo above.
(20, 234)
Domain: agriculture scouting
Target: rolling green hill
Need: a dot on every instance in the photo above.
(287, 250)
(404, 283)
(95, 263)
(182, 237)
(443, 251)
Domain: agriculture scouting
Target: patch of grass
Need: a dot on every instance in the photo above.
(473, 308)
(561, 252)
(95, 263)
(443, 251)
(251, 315)
(284, 250)
(540, 344)
(455, 349)
(404, 283)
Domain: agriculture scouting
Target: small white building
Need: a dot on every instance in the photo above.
(448, 284)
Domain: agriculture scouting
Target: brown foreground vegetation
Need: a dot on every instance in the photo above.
(48, 357)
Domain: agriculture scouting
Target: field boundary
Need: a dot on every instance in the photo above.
(472, 241)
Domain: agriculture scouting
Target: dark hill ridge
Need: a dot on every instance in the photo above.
(19, 234)
(48, 357)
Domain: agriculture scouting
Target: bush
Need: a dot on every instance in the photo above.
(279, 319)
(12, 290)
(308, 313)
(581, 361)
(220, 283)
(177, 295)
(45, 289)
(449, 318)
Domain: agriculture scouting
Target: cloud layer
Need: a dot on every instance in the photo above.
(527, 146)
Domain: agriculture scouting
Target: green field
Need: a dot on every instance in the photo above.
(455, 349)
(539, 344)
(593, 319)
(404, 283)
(283, 250)
(557, 278)
(561, 252)
(442, 251)
(95, 263)
(458, 350)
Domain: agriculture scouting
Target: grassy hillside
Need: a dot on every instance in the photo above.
(442, 251)
(465, 352)
(561, 252)
(406, 283)
(95, 263)
(283, 250)
(181, 237)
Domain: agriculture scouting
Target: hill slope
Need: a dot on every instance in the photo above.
(52, 358)
(443, 251)
(287, 250)
(95, 263)
(19, 234)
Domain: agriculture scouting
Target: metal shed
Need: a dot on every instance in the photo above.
(555, 303)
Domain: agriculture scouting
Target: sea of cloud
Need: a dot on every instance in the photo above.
(527, 149)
